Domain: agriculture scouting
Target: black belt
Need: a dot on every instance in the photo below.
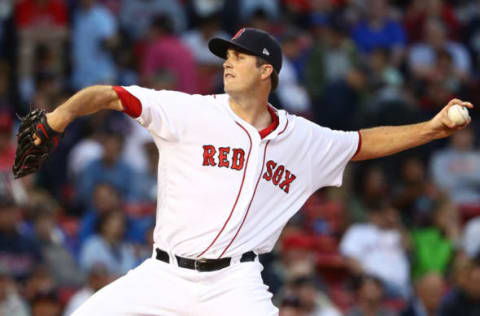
(203, 265)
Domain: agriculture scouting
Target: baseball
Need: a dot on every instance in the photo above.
(458, 114)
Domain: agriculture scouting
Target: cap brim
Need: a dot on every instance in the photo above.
(219, 47)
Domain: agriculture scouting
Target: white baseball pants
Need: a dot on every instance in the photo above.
(156, 288)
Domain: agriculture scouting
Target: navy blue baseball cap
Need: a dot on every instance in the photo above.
(253, 41)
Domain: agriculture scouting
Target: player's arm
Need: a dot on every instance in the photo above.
(86, 101)
(387, 140)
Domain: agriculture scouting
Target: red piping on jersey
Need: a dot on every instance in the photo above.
(359, 143)
(286, 125)
(249, 204)
(254, 191)
(238, 195)
(131, 104)
(264, 132)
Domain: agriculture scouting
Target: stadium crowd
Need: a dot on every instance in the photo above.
(400, 237)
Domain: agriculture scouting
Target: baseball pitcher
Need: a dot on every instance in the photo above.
(233, 170)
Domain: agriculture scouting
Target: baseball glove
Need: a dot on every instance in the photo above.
(30, 157)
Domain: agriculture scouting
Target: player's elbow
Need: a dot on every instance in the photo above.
(105, 97)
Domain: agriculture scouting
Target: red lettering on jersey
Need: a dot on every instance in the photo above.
(238, 158)
(289, 177)
(278, 175)
(222, 157)
(270, 166)
(208, 152)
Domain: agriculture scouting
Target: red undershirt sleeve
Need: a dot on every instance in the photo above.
(131, 104)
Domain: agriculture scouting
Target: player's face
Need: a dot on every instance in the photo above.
(240, 72)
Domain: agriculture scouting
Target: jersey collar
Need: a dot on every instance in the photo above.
(264, 132)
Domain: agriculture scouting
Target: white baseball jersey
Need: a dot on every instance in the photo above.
(223, 189)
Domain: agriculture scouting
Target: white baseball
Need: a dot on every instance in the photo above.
(458, 114)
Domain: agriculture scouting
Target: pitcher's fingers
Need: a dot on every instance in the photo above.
(36, 140)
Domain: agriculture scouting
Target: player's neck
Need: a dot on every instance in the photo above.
(252, 110)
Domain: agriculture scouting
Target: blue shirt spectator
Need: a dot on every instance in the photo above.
(108, 169)
(93, 28)
(107, 247)
(390, 34)
(378, 30)
(136, 16)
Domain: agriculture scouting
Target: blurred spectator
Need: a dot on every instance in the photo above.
(434, 246)
(105, 200)
(6, 104)
(418, 12)
(108, 169)
(379, 248)
(385, 79)
(93, 43)
(7, 146)
(371, 186)
(18, 253)
(134, 149)
(339, 108)
(137, 16)
(456, 169)
(293, 96)
(6, 9)
(40, 23)
(46, 304)
(248, 8)
(312, 301)
(291, 306)
(441, 83)
(11, 303)
(464, 299)
(165, 52)
(208, 65)
(378, 30)
(197, 40)
(332, 57)
(429, 291)
(370, 298)
(414, 194)
(471, 237)
(40, 282)
(97, 278)
(107, 246)
(56, 256)
(145, 183)
(422, 57)
(88, 149)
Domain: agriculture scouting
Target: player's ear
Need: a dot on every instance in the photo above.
(266, 71)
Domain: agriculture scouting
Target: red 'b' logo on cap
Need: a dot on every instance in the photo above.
(237, 35)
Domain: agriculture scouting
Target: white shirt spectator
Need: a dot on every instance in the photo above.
(82, 154)
(471, 237)
(423, 55)
(380, 252)
(92, 63)
(97, 251)
(198, 44)
(458, 173)
(292, 95)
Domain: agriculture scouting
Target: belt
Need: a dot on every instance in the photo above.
(203, 265)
